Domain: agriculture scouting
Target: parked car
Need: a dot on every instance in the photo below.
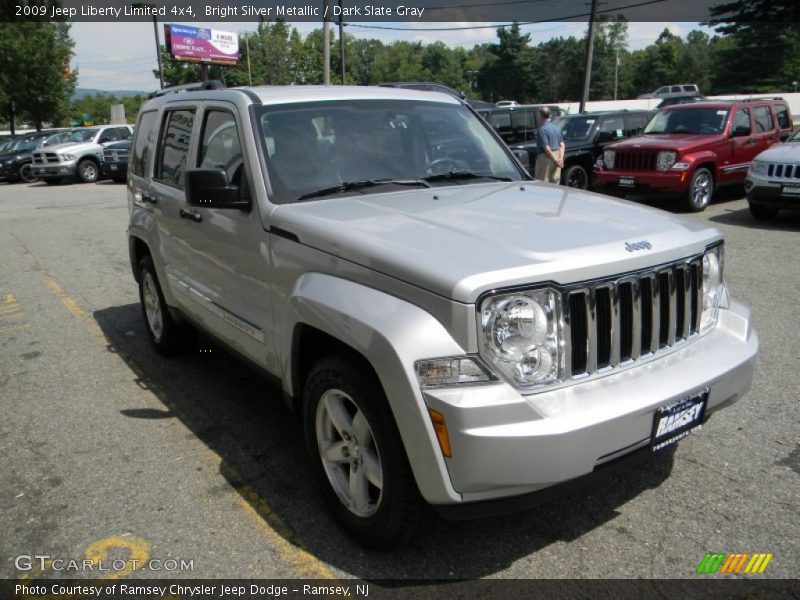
(449, 332)
(585, 137)
(15, 158)
(79, 156)
(773, 179)
(430, 86)
(518, 125)
(671, 91)
(690, 150)
(115, 161)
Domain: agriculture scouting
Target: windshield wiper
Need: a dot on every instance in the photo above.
(464, 175)
(357, 185)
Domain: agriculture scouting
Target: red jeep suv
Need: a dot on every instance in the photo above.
(690, 150)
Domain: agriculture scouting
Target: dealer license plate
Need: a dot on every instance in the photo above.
(627, 181)
(41, 171)
(676, 421)
(113, 167)
(791, 190)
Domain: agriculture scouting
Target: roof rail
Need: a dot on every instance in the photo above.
(762, 98)
(213, 84)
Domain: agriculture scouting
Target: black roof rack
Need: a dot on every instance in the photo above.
(213, 84)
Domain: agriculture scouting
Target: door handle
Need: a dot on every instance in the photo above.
(192, 216)
(751, 140)
(149, 199)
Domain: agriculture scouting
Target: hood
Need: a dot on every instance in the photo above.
(684, 142)
(788, 152)
(16, 155)
(123, 145)
(460, 241)
(70, 146)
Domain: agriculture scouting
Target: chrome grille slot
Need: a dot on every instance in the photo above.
(619, 321)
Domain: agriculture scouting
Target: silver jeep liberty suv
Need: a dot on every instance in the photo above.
(451, 333)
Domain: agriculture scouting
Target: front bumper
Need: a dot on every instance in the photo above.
(506, 445)
(769, 191)
(667, 183)
(117, 170)
(62, 169)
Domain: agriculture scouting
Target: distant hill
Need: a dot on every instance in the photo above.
(81, 92)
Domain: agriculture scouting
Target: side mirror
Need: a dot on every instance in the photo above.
(210, 188)
(741, 131)
(606, 136)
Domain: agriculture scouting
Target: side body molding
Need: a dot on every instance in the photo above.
(391, 334)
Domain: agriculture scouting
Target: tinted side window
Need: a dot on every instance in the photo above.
(174, 146)
(124, 133)
(782, 114)
(615, 125)
(763, 118)
(741, 119)
(108, 135)
(635, 124)
(221, 148)
(143, 143)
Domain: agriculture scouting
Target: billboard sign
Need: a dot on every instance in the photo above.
(200, 44)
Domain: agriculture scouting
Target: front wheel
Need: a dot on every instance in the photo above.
(576, 176)
(26, 174)
(701, 190)
(88, 171)
(358, 455)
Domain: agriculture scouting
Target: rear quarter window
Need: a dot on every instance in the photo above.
(782, 114)
(143, 142)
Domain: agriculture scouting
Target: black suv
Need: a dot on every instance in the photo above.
(15, 157)
(585, 136)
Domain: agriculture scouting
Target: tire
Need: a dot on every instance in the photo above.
(167, 336)
(350, 432)
(701, 190)
(26, 174)
(577, 177)
(762, 212)
(88, 171)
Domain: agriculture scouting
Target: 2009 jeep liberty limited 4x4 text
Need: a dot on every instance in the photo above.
(450, 332)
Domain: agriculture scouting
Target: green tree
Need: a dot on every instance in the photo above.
(508, 72)
(33, 58)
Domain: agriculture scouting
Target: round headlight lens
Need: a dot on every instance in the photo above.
(608, 158)
(521, 336)
(712, 286)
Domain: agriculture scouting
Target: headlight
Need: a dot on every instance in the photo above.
(521, 336)
(608, 159)
(758, 166)
(713, 286)
(66, 157)
(665, 160)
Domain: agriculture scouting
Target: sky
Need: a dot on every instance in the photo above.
(122, 56)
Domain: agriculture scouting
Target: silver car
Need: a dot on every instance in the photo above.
(452, 334)
(773, 179)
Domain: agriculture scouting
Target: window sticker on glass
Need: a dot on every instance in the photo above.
(721, 112)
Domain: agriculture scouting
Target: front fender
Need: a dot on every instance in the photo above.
(698, 158)
(391, 334)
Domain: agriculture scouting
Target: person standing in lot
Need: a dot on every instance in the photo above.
(551, 155)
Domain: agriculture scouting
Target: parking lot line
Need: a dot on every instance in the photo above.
(278, 534)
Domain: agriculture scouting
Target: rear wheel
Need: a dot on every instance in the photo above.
(576, 177)
(358, 455)
(168, 336)
(701, 190)
(762, 212)
(26, 174)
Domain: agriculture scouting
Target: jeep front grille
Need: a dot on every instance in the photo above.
(635, 161)
(783, 171)
(617, 321)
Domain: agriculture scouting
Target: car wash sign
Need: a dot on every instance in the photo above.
(199, 44)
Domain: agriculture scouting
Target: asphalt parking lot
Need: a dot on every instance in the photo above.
(108, 450)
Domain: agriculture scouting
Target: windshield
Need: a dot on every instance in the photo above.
(322, 148)
(81, 135)
(795, 137)
(694, 120)
(575, 129)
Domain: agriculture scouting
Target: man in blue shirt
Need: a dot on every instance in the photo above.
(550, 159)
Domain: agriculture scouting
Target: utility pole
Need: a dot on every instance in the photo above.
(326, 45)
(616, 73)
(247, 46)
(341, 39)
(158, 51)
(589, 52)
